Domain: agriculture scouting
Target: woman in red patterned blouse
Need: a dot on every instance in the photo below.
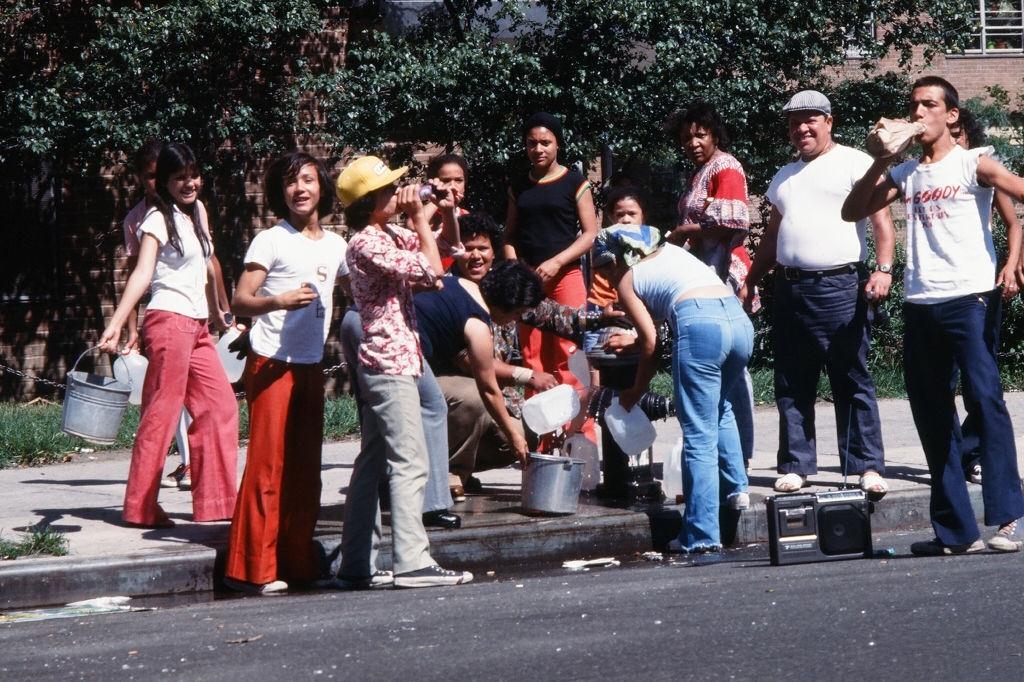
(713, 223)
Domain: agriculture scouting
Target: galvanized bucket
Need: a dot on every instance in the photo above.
(93, 404)
(551, 484)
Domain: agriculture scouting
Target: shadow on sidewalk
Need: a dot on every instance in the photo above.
(75, 482)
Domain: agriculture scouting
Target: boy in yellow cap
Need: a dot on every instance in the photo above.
(386, 261)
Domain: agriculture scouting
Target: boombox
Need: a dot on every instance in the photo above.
(808, 527)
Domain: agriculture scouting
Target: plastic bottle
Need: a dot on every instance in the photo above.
(672, 472)
(233, 365)
(633, 431)
(131, 369)
(549, 410)
(578, 446)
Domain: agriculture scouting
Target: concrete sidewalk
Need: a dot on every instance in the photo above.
(83, 499)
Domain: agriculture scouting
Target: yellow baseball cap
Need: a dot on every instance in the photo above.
(363, 176)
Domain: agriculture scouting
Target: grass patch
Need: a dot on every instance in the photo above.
(30, 435)
(661, 384)
(39, 541)
(340, 418)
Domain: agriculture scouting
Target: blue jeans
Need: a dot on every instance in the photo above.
(713, 343)
(971, 446)
(938, 339)
(824, 321)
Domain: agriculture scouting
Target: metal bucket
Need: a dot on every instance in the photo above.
(93, 405)
(551, 484)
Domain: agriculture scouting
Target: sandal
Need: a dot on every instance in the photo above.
(790, 483)
(874, 485)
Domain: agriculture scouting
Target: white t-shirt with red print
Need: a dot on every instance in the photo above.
(291, 259)
(949, 237)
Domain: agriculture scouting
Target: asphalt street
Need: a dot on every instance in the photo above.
(903, 617)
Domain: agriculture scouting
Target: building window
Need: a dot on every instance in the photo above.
(999, 27)
(867, 28)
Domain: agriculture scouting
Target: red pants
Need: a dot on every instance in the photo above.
(546, 352)
(183, 370)
(279, 501)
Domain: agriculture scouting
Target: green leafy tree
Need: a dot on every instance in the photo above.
(81, 81)
(471, 70)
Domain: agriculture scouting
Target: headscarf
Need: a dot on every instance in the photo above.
(542, 119)
(625, 244)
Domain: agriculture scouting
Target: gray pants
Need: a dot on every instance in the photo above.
(434, 414)
(393, 418)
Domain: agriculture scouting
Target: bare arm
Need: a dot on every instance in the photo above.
(538, 381)
(1010, 274)
(647, 340)
(248, 303)
(481, 360)
(871, 193)
(133, 314)
(991, 173)
(685, 231)
(409, 202)
(879, 282)
(138, 283)
(511, 217)
(764, 259)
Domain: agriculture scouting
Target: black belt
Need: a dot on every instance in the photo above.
(793, 274)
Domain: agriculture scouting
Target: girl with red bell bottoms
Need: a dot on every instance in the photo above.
(551, 224)
(174, 264)
(287, 288)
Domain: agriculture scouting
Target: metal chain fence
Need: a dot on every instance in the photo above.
(60, 386)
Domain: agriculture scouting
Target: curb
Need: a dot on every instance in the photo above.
(612, 532)
(39, 582)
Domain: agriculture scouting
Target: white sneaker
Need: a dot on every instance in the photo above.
(1009, 537)
(432, 576)
(739, 501)
(273, 587)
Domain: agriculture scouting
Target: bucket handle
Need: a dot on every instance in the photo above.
(119, 357)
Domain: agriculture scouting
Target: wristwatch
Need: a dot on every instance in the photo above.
(884, 267)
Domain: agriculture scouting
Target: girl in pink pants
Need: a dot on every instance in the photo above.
(174, 264)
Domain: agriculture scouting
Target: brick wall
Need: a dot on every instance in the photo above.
(969, 74)
(63, 264)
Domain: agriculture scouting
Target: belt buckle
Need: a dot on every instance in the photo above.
(791, 274)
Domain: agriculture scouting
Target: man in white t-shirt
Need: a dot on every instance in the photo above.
(823, 298)
(950, 274)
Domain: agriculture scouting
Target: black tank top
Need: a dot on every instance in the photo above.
(546, 218)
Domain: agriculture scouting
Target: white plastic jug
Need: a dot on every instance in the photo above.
(672, 472)
(131, 369)
(233, 365)
(633, 431)
(580, 447)
(579, 367)
(549, 410)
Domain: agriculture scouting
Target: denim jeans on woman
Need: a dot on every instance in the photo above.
(713, 343)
